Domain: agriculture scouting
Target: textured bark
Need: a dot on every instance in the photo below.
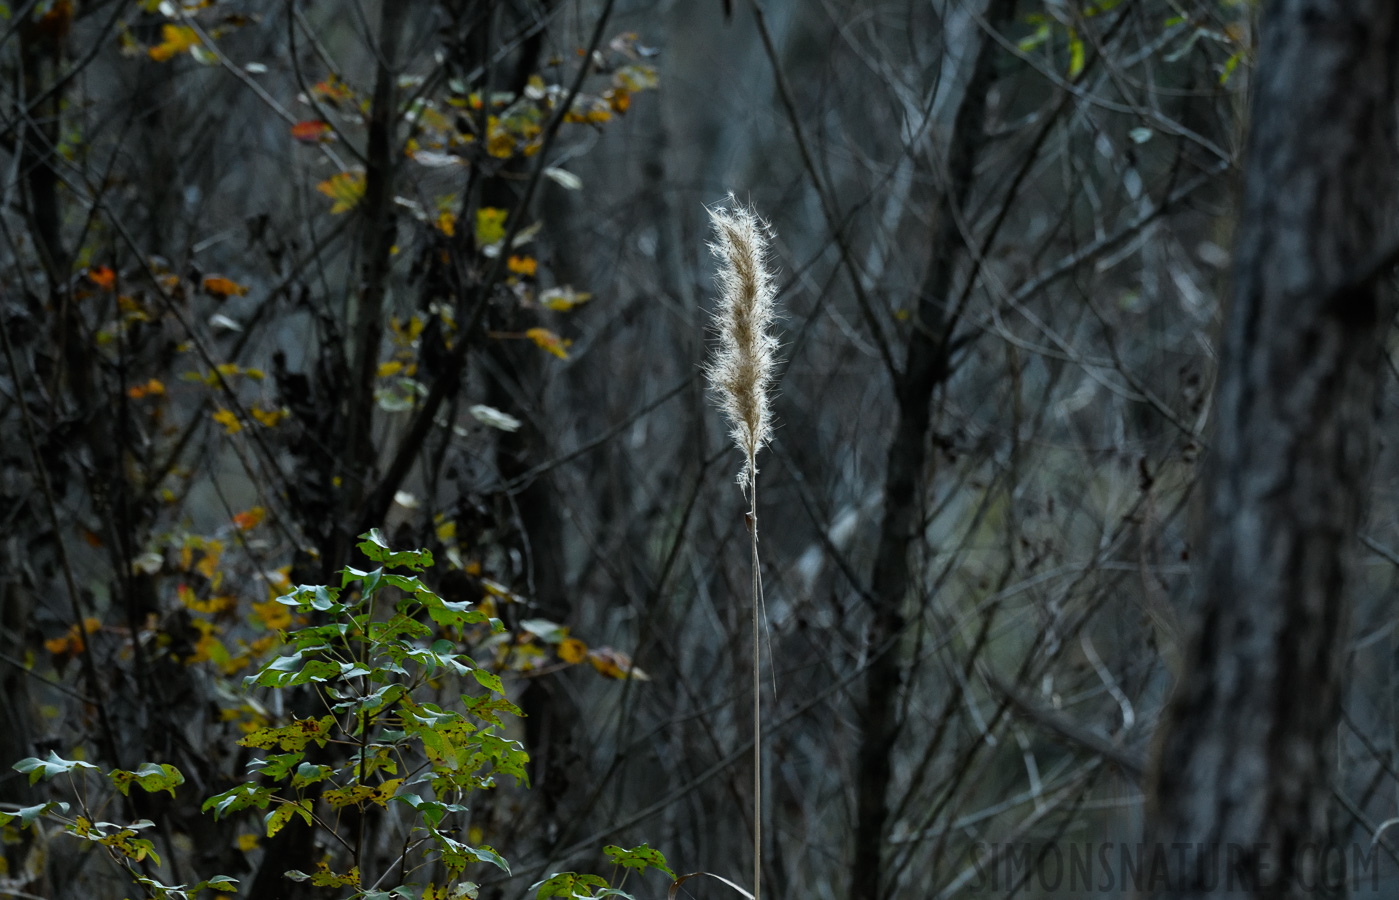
(1246, 756)
(376, 248)
(925, 367)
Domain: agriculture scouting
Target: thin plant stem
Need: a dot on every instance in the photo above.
(757, 689)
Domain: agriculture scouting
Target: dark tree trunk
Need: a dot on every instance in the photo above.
(926, 366)
(1246, 755)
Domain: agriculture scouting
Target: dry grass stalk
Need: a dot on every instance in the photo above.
(741, 376)
(741, 372)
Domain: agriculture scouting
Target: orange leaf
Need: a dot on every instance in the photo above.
(103, 277)
(250, 519)
(152, 388)
(333, 90)
(311, 131)
(523, 265)
(223, 287)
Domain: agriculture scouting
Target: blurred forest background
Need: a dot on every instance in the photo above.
(279, 271)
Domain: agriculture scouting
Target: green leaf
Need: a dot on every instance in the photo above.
(489, 680)
(151, 777)
(309, 773)
(639, 858)
(546, 631)
(432, 811)
(219, 883)
(1076, 54)
(373, 545)
(567, 884)
(277, 766)
(48, 768)
(30, 814)
(240, 797)
(279, 817)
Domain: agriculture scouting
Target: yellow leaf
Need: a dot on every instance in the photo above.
(490, 225)
(547, 340)
(572, 650)
(390, 368)
(345, 188)
(210, 563)
(273, 614)
(563, 299)
(446, 531)
(385, 791)
(618, 98)
(615, 664)
(228, 420)
(268, 417)
(447, 223)
(247, 842)
(405, 335)
(346, 796)
(522, 265)
(175, 39)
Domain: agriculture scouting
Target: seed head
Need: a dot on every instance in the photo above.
(740, 373)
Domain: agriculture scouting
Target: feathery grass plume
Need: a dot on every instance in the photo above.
(741, 371)
(741, 376)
